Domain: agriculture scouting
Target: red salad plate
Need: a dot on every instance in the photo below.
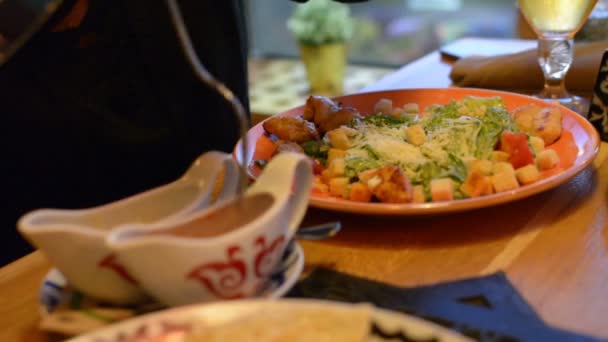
(584, 134)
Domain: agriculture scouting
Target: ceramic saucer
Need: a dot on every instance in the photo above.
(68, 311)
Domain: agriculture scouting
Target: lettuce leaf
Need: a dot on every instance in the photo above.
(493, 123)
(316, 149)
(353, 166)
(380, 120)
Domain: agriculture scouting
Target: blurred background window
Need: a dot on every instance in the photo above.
(387, 32)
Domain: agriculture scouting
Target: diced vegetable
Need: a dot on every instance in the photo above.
(264, 148)
(317, 167)
(516, 145)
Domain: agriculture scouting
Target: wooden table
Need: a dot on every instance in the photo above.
(553, 246)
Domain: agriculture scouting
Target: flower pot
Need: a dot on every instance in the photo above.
(325, 66)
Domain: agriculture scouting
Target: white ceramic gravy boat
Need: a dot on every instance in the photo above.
(204, 262)
(74, 240)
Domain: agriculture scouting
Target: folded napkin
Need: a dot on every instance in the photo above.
(521, 72)
(485, 308)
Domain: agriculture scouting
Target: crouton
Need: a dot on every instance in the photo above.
(442, 189)
(501, 167)
(337, 167)
(373, 182)
(348, 131)
(483, 166)
(389, 192)
(411, 108)
(499, 156)
(319, 186)
(547, 159)
(325, 175)
(384, 106)
(398, 113)
(418, 194)
(477, 184)
(415, 135)
(394, 186)
(365, 176)
(334, 153)
(538, 145)
(504, 181)
(527, 174)
(338, 186)
(359, 192)
(338, 138)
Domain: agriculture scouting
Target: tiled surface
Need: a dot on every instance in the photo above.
(280, 84)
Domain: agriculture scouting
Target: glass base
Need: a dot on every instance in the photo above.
(577, 104)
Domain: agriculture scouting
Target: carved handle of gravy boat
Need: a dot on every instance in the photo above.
(288, 177)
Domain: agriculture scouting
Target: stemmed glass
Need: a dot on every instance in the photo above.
(555, 23)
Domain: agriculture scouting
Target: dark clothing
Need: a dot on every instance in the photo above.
(112, 108)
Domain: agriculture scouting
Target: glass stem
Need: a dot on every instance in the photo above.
(555, 54)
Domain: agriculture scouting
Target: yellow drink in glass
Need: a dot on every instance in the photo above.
(556, 16)
(555, 23)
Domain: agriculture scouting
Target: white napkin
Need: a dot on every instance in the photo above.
(521, 72)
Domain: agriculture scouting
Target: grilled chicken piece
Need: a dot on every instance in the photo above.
(327, 114)
(294, 129)
(543, 122)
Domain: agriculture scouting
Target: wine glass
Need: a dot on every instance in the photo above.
(555, 23)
